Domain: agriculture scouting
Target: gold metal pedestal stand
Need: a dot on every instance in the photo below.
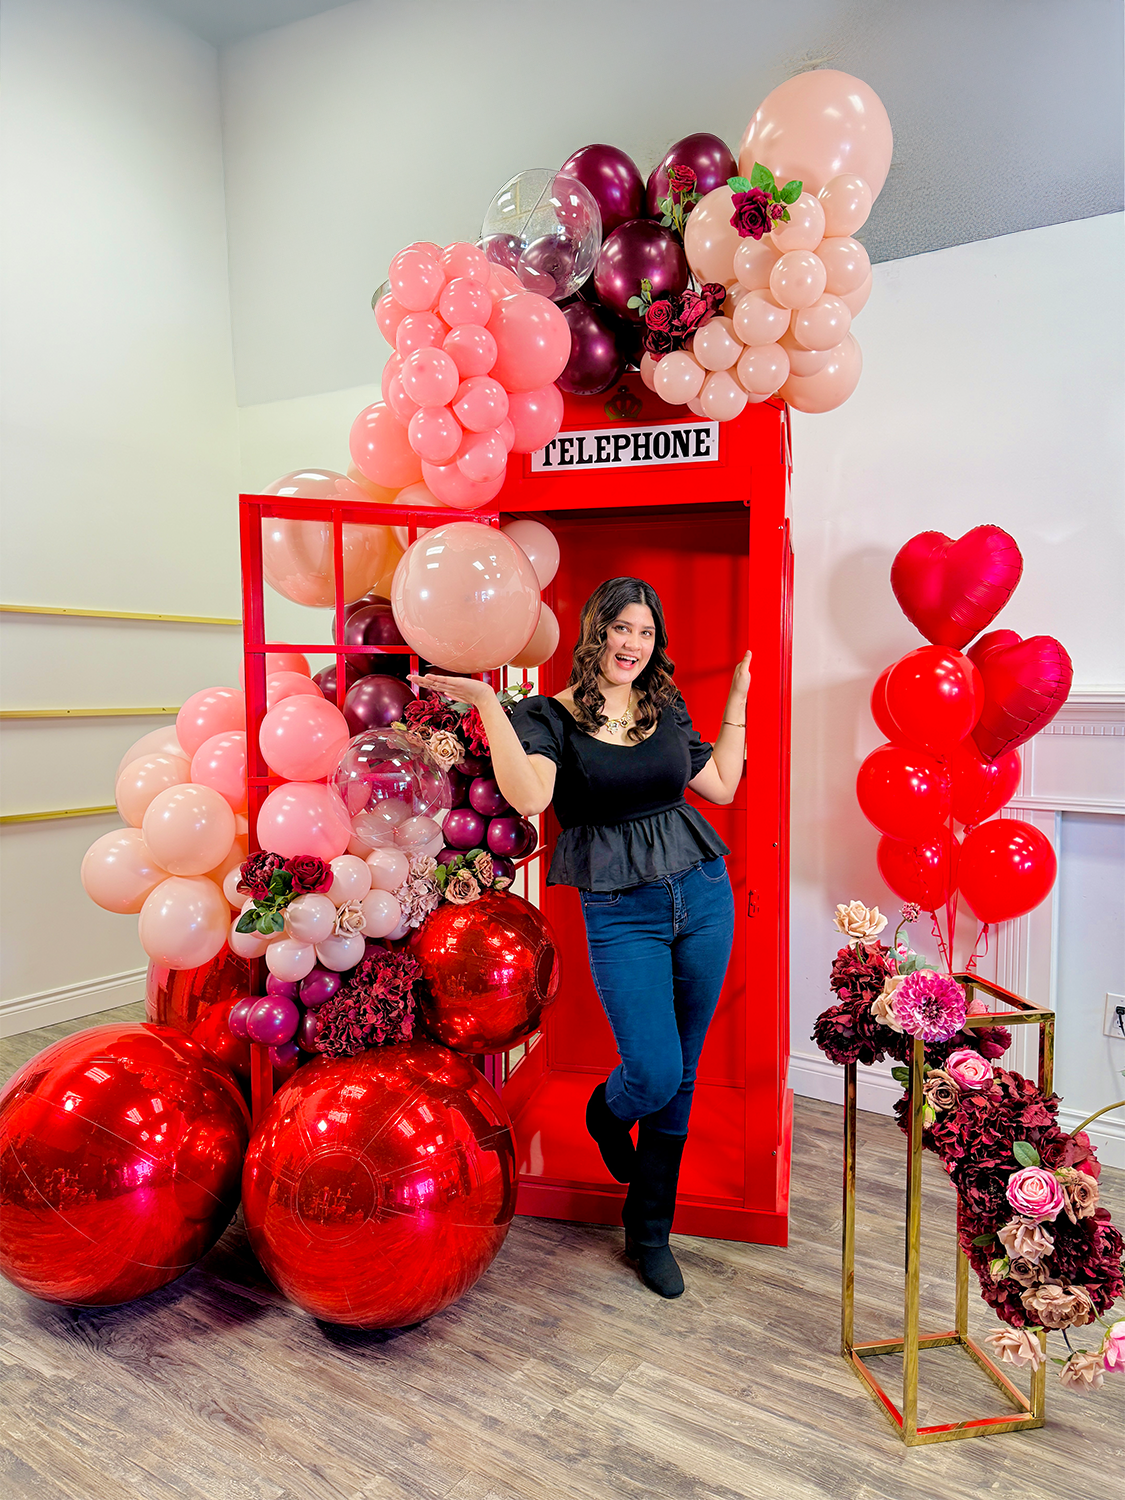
(1016, 1012)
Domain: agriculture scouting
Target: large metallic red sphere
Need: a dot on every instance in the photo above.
(378, 1188)
(198, 1002)
(120, 1157)
(491, 969)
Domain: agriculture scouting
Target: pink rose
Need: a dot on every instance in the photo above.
(1034, 1192)
(1113, 1346)
(968, 1069)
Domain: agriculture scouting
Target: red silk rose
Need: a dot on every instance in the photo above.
(753, 214)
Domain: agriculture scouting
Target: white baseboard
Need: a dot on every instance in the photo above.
(1106, 1136)
(814, 1077)
(70, 1001)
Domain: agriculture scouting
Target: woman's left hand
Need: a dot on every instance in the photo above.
(459, 689)
(740, 686)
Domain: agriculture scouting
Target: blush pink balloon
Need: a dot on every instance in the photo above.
(145, 778)
(246, 944)
(465, 301)
(183, 923)
(461, 259)
(471, 348)
(480, 404)
(466, 598)
(303, 738)
(482, 457)
(722, 398)
(280, 661)
(304, 817)
(678, 378)
(536, 416)
(340, 952)
(543, 644)
(118, 872)
(763, 369)
(715, 346)
(710, 239)
(846, 264)
(220, 763)
(435, 435)
(648, 370)
(351, 879)
(532, 342)
(454, 489)
(381, 911)
(290, 960)
(802, 361)
(829, 387)
(389, 869)
(758, 319)
(390, 369)
(503, 282)
(380, 449)
(538, 544)
(805, 228)
(156, 742)
(798, 279)
(298, 561)
(419, 330)
(208, 712)
(398, 401)
(507, 433)
(754, 261)
(856, 301)
(311, 918)
(429, 377)
(389, 313)
(846, 201)
(819, 125)
(289, 685)
(188, 829)
(823, 325)
(416, 279)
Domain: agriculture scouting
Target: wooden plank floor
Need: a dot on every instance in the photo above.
(558, 1377)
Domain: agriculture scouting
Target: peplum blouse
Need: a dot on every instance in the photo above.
(621, 808)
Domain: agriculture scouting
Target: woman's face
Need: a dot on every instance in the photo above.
(629, 642)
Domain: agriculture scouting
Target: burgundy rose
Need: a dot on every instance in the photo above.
(257, 872)
(428, 713)
(694, 311)
(714, 293)
(310, 875)
(752, 217)
(658, 344)
(658, 315)
(681, 180)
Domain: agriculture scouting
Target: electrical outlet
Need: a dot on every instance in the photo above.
(1114, 1023)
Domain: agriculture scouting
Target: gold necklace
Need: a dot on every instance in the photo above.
(615, 724)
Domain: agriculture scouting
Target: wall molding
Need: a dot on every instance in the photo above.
(814, 1077)
(1106, 1136)
(70, 1002)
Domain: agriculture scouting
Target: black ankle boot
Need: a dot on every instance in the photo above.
(612, 1136)
(649, 1206)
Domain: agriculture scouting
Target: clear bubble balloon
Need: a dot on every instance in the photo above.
(386, 777)
(545, 227)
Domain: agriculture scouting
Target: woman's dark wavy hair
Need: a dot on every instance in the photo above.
(654, 685)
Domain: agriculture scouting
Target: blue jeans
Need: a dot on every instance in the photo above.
(658, 956)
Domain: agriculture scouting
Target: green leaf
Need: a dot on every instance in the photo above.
(901, 1075)
(665, 221)
(984, 1239)
(738, 184)
(929, 1114)
(635, 302)
(472, 854)
(1025, 1153)
(791, 191)
(247, 922)
(761, 177)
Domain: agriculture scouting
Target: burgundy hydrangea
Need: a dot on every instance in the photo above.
(374, 1009)
(472, 732)
(309, 874)
(429, 712)
(752, 215)
(257, 871)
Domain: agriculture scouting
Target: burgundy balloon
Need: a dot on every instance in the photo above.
(708, 157)
(544, 264)
(632, 253)
(459, 787)
(506, 836)
(375, 702)
(308, 1031)
(373, 625)
(595, 360)
(612, 177)
(464, 829)
(447, 854)
(283, 1054)
(487, 797)
(325, 679)
(531, 837)
(502, 250)
(272, 1020)
(503, 868)
(237, 1018)
(319, 986)
(282, 989)
(475, 765)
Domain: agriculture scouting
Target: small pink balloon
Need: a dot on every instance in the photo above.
(461, 259)
(428, 247)
(280, 661)
(465, 301)
(398, 401)
(805, 228)
(802, 361)
(303, 738)
(695, 406)
(290, 685)
(118, 872)
(156, 742)
(341, 952)
(829, 387)
(823, 325)
(482, 457)
(310, 918)
(507, 433)
(856, 301)
(758, 319)
(416, 279)
(722, 398)
(648, 369)
(419, 330)
(381, 912)
(247, 944)
(304, 818)
(455, 489)
(220, 763)
(435, 435)
(290, 960)
(209, 712)
(351, 879)
(413, 834)
(754, 261)
(543, 644)
(846, 201)
(430, 377)
(763, 369)
(536, 415)
(390, 369)
(188, 829)
(230, 888)
(735, 293)
(710, 239)
(538, 544)
(471, 348)
(715, 346)
(846, 264)
(798, 279)
(389, 314)
(506, 280)
(389, 869)
(678, 378)
(183, 923)
(146, 778)
(532, 342)
(480, 404)
(380, 449)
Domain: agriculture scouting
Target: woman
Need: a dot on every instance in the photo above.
(614, 751)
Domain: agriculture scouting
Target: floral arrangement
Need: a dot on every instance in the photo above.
(274, 882)
(1015, 1170)
(759, 203)
(682, 198)
(467, 876)
(375, 1008)
(671, 320)
(451, 732)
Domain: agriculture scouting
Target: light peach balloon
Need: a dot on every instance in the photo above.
(856, 301)
(297, 560)
(230, 864)
(715, 346)
(543, 644)
(420, 497)
(389, 869)
(823, 325)
(220, 763)
(695, 406)
(805, 228)
(763, 369)
(289, 960)
(381, 912)
(798, 279)
(184, 922)
(382, 584)
(341, 952)
(144, 779)
(735, 293)
(846, 201)
(722, 398)
(819, 125)
(648, 369)
(829, 387)
(247, 944)
(538, 544)
(156, 742)
(351, 879)
(310, 918)
(189, 829)
(210, 711)
(234, 896)
(710, 239)
(678, 378)
(118, 872)
(846, 264)
(802, 361)
(758, 319)
(754, 261)
(378, 494)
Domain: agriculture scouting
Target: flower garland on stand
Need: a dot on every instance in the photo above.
(1045, 1251)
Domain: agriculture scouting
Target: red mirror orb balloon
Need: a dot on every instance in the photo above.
(121, 1153)
(491, 970)
(198, 1002)
(379, 1188)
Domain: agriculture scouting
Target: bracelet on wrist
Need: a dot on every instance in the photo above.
(734, 724)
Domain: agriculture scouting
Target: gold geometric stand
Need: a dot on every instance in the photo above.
(1017, 1012)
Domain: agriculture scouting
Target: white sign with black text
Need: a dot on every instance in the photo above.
(630, 447)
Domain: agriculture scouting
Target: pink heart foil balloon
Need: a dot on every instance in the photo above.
(1026, 682)
(952, 590)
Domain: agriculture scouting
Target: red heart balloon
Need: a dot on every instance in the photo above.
(951, 589)
(1025, 685)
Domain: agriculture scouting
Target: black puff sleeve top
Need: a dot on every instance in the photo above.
(621, 807)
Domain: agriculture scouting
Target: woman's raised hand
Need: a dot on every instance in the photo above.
(460, 689)
(741, 682)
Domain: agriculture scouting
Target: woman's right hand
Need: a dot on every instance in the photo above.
(459, 689)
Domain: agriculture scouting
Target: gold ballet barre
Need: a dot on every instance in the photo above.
(60, 812)
(88, 713)
(116, 614)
